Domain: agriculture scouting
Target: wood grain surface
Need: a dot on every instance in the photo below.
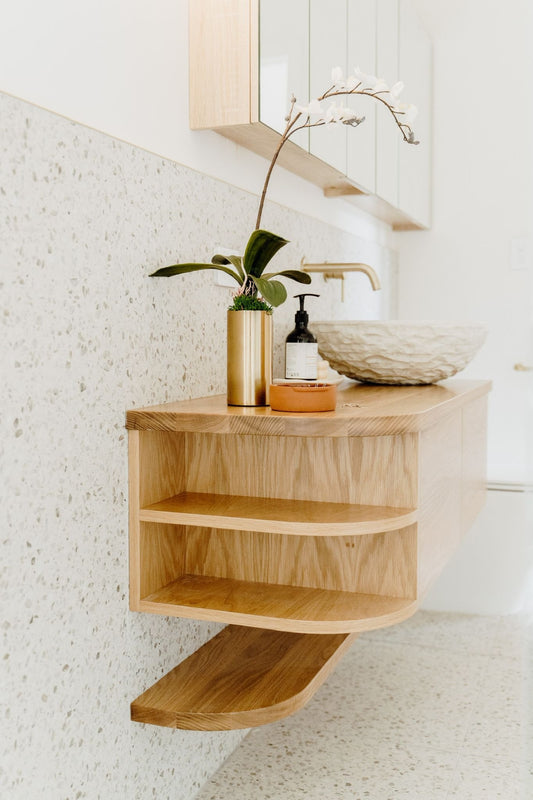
(301, 529)
(297, 517)
(383, 563)
(362, 410)
(282, 608)
(220, 46)
(241, 678)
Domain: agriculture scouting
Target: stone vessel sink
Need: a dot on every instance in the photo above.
(397, 351)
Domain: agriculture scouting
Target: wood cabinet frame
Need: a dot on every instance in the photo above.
(300, 531)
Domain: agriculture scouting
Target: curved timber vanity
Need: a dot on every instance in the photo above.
(299, 530)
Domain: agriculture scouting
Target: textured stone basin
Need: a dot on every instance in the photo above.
(397, 351)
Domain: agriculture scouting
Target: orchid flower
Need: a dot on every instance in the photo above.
(311, 109)
(337, 76)
(363, 78)
(397, 89)
(352, 83)
(408, 112)
(380, 86)
(340, 113)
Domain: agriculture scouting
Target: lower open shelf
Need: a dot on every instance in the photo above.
(242, 678)
(283, 608)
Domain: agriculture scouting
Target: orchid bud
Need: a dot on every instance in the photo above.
(336, 75)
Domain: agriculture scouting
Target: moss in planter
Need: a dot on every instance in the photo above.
(244, 302)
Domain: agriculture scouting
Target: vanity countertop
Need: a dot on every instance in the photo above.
(362, 410)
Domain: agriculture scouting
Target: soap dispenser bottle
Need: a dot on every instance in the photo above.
(301, 349)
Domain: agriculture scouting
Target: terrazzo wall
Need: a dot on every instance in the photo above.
(84, 218)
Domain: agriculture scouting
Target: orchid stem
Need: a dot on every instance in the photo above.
(284, 137)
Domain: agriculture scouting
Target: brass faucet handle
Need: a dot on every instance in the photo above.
(336, 269)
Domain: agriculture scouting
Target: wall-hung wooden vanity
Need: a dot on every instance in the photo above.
(298, 530)
(248, 56)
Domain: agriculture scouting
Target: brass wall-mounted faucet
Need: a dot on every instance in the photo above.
(337, 269)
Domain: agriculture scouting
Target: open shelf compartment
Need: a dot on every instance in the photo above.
(313, 584)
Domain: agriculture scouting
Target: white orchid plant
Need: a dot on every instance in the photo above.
(321, 112)
(248, 270)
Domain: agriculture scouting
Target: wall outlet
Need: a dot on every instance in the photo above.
(221, 278)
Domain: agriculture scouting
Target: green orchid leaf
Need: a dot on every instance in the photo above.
(273, 292)
(293, 274)
(181, 269)
(235, 260)
(237, 263)
(261, 248)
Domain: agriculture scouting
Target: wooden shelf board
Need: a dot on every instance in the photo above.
(299, 609)
(298, 517)
(362, 410)
(241, 678)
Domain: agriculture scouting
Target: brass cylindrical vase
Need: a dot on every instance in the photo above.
(249, 358)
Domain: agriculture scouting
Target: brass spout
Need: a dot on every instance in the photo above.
(333, 269)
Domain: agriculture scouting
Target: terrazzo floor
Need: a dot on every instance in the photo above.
(437, 708)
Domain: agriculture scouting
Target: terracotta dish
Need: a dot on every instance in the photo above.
(303, 396)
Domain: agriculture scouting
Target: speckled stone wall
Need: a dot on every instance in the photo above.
(85, 335)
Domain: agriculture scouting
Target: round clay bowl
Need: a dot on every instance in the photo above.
(303, 397)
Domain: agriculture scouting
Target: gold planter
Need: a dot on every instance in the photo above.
(249, 358)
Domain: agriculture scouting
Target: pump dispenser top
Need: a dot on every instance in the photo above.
(301, 349)
(301, 319)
